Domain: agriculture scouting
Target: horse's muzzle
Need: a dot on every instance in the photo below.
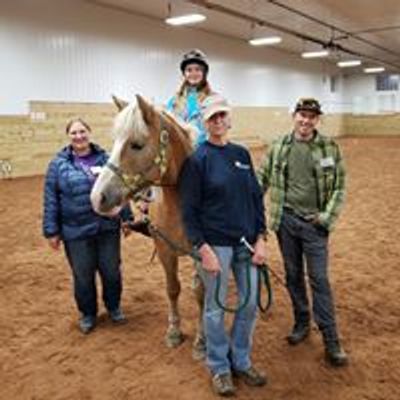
(107, 202)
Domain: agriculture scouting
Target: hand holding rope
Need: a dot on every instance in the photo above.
(262, 277)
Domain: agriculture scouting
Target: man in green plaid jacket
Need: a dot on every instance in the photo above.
(305, 177)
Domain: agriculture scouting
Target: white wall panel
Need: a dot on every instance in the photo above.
(361, 94)
(73, 51)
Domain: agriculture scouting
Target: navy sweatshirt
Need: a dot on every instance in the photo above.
(221, 198)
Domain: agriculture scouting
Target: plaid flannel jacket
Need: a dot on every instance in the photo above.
(329, 175)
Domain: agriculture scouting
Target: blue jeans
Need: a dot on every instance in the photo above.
(230, 351)
(299, 239)
(86, 256)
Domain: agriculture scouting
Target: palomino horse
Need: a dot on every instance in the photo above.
(149, 149)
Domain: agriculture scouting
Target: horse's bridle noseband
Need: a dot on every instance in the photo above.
(139, 181)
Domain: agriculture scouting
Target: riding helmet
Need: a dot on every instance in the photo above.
(194, 56)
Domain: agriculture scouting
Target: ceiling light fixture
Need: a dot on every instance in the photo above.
(373, 70)
(348, 63)
(315, 54)
(265, 41)
(185, 19)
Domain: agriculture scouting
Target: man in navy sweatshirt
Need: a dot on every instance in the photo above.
(222, 204)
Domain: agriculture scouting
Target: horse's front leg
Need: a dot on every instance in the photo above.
(174, 336)
(199, 344)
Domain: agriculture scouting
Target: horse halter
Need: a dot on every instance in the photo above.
(135, 183)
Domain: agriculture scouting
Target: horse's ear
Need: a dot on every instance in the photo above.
(121, 104)
(147, 109)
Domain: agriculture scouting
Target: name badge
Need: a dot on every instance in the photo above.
(238, 164)
(327, 162)
(96, 170)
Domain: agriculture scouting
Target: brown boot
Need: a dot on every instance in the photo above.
(299, 333)
(251, 377)
(223, 385)
(334, 354)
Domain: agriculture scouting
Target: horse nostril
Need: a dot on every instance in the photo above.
(108, 199)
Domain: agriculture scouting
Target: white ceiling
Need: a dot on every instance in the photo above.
(347, 21)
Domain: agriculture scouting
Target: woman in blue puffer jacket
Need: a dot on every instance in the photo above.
(91, 242)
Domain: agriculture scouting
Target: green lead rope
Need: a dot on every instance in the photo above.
(246, 297)
(262, 280)
(262, 276)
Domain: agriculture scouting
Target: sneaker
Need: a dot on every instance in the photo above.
(335, 355)
(251, 377)
(299, 333)
(117, 316)
(223, 385)
(87, 323)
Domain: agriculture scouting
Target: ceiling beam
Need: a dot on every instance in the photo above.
(372, 30)
(346, 34)
(329, 44)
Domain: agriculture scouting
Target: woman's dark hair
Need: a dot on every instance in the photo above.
(72, 121)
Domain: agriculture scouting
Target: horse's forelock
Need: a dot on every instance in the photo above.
(129, 123)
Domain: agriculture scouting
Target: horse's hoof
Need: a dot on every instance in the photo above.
(199, 350)
(198, 354)
(174, 338)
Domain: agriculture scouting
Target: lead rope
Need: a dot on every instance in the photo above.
(239, 306)
(262, 278)
(262, 274)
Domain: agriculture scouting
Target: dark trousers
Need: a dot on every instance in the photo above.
(86, 256)
(299, 240)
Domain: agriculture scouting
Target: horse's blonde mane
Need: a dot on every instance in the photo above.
(188, 130)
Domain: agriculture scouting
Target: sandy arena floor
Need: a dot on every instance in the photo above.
(44, 356)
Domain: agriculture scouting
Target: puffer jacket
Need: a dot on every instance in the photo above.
(67, 210)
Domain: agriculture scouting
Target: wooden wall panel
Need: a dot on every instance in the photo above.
(372, 125)
(27, 143)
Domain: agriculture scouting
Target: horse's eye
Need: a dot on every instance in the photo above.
(136, 146)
